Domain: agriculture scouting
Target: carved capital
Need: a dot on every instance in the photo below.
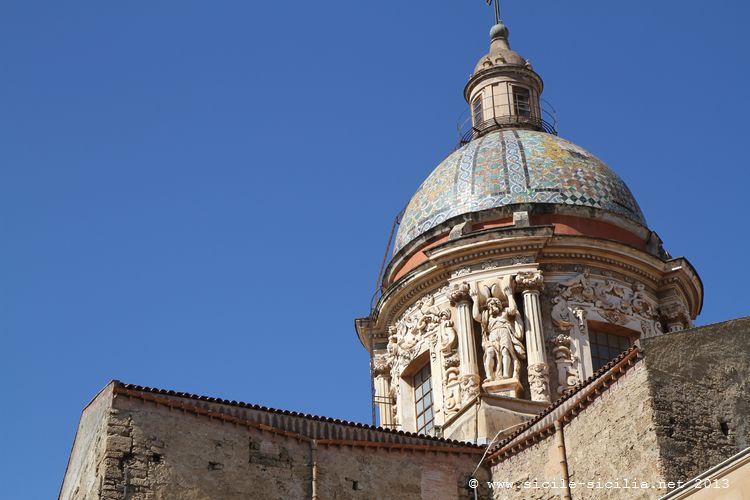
(675, 315)
(562, 340)
(674, 311)
(381, 366)
(460, 294)
(531, 281)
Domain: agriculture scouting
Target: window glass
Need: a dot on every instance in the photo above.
(423, 398)
(605, 347)
(522, 101)
(477, 110)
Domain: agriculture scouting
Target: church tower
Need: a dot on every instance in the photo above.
(521, 266)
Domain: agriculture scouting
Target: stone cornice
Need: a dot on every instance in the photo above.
(413, 247)
(499, 71)
(537, 246)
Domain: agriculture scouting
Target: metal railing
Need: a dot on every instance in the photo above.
(387, 403)
(497, 115)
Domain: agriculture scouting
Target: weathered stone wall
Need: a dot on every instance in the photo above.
(157, 451)
(82, 478)
(538, 465)
(700, 383)
(611, 439)
(614, 439)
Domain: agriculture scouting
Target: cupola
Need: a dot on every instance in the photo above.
(504, 91)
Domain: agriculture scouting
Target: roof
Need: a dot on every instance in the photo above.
(509, 167)
(316, 427)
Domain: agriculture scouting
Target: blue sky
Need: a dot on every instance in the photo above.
(197, 195)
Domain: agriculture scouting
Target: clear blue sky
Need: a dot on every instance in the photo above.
(197, 195)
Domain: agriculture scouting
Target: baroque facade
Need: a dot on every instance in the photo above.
(521, 265)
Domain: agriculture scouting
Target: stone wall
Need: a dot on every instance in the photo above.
(613, 439)
(538, 464)
(700, 384)
(82, 478)
(156, 450)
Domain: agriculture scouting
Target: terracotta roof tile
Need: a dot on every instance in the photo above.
(239, 404)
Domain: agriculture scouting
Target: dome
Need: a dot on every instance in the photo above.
(507, 167)
(500, 52)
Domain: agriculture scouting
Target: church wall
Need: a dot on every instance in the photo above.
(174, 454)
(700, 381)
(154, 451)
(81, 478)
(613, 439)
(538, 465)
(367, 473)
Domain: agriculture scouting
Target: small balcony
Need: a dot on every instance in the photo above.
(496, 113)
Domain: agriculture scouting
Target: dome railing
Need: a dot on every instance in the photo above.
(500, 115)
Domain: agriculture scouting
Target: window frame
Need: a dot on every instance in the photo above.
(424, 397)
(477, 110)
(517, 91)
(601, 353)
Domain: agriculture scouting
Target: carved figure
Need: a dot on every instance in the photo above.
(604, 292)
(430, 315)
(392, 343)
(561, 311)
(448, 335)
(582, 283)
(502, 335)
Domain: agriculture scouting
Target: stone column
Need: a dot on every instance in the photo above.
(531, 284)
(381, 370)
(467, 349)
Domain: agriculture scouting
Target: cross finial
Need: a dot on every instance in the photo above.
(498, 19)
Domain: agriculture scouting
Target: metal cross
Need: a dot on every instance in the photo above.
(498, 20)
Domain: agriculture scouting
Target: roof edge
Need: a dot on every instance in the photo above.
(120, 387)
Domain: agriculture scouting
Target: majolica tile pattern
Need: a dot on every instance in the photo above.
(514, 166)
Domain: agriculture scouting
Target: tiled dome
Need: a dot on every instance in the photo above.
(514, 166)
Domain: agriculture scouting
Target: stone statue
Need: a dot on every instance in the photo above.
(502, 336)
(448, 335)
